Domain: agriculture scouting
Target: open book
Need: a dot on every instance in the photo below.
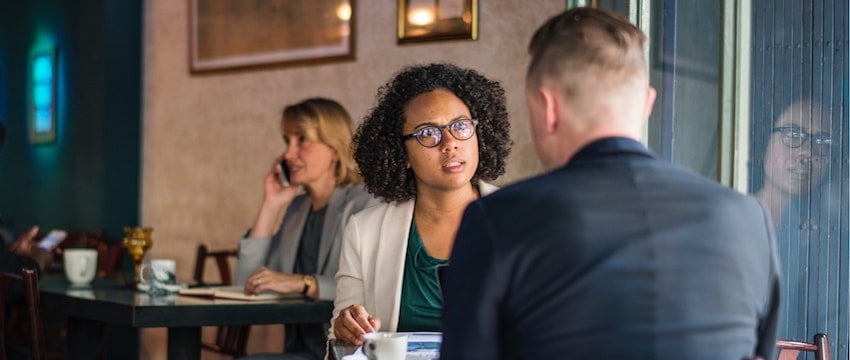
(235, 293)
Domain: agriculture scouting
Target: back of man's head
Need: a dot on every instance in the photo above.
(589, 53)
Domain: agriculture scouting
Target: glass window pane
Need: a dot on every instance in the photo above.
(799, 81)
(685, 62)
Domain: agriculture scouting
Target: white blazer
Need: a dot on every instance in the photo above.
(371, 264)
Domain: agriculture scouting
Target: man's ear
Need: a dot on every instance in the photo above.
(649, 101)
(551, 109)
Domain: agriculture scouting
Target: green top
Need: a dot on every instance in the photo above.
(421, 305)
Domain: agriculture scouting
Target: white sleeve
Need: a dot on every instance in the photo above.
(349, 279)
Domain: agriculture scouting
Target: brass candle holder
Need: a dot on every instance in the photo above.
(137, 241)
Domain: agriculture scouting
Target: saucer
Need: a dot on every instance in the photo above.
(172, 288)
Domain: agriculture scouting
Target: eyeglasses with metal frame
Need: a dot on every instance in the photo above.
(431, 136)
(794, 137)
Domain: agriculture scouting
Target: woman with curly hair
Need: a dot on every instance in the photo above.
(437, 133)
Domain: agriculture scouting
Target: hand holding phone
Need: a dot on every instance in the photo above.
(284, 173)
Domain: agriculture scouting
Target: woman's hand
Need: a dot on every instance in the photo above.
(266, 279)
(276, 198)
(276, 194)
(353, 322)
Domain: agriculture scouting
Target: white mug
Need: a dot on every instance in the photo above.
(385, 345)
(80, 265)
(157, 275)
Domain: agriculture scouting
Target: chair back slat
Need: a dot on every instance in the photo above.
(29, 280)
(5, 280)
(229, 340)
(790, 349)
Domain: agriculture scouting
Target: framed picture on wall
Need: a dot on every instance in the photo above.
(234, 34)
(433, 20)
(581, 3)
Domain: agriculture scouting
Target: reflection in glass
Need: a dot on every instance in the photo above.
(799, 55)
(791, 168)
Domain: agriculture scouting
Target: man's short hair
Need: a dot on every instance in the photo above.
(583, 46)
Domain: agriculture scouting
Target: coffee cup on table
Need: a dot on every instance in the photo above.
(385, 345)
(80, 265)
(158, 276)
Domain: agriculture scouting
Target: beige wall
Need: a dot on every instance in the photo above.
(209, 138)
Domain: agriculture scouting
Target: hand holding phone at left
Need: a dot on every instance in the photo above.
(25, 244)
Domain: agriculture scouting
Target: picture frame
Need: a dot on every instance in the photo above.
(581, 3)
(436, 20)
(229, 34)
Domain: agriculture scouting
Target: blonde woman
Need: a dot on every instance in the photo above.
(302, 255)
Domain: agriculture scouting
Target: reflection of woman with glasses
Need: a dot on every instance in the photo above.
(795, 156)
(436, 133)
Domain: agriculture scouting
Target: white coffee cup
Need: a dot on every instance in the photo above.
(80, 265)
(158, 275)
(385, 345)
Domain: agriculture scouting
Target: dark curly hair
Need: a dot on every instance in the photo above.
(380, 152)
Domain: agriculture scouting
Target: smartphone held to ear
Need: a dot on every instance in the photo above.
(284, 173)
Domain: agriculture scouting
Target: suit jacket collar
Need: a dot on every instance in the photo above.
(330, 227)
(395, 228)
(608, 147)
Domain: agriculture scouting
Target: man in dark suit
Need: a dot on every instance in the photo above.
(612, 254)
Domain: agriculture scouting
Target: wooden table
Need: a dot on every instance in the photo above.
(111, 301)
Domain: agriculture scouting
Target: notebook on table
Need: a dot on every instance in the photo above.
(234, 292)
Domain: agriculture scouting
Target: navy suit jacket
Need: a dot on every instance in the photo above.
(617, 255)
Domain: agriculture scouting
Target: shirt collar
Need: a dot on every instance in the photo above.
(609, 147)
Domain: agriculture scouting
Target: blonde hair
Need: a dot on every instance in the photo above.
(327, 121)
(584, 49)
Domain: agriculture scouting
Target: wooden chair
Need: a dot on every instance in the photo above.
(789, 349)
(221, 259)
(110, 253)
(29, 278)
(229, 340)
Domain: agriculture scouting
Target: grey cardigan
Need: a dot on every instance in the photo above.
(278, 252)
